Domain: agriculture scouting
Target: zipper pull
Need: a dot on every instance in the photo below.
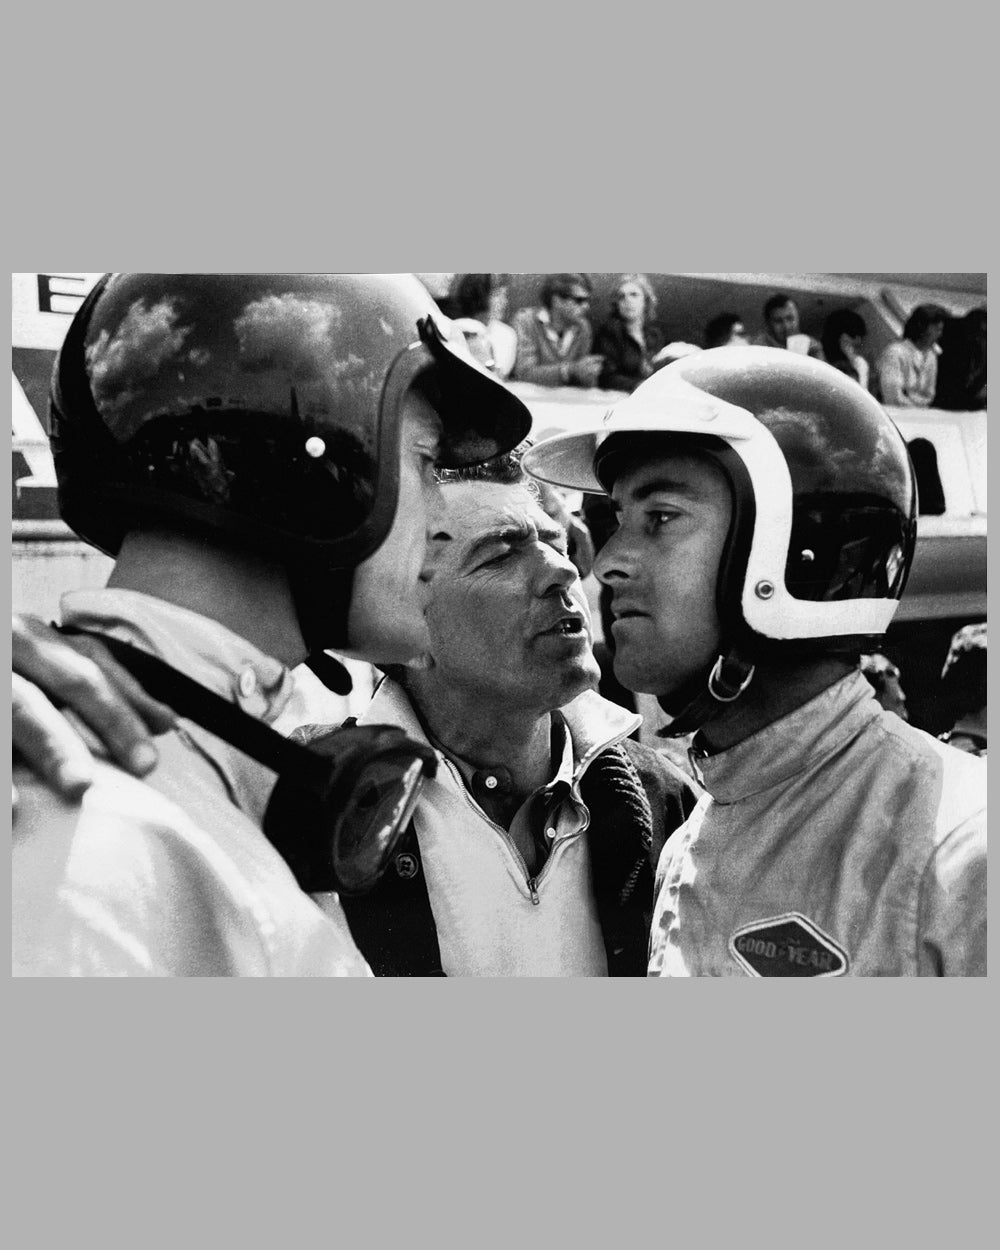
(533, 887)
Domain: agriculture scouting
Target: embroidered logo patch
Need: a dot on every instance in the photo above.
(787, 946)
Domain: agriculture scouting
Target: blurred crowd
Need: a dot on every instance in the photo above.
(938, 361)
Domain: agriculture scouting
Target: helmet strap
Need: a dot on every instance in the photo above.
(322, 604)
(710, 693)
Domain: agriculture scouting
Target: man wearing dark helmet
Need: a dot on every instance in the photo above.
(766, 512)
(258, 452)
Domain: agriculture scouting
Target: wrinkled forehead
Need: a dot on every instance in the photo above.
(473, 509)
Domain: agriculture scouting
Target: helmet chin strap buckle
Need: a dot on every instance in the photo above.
(728, 690)
(729, 678)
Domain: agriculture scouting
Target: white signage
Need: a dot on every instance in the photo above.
(43, 304)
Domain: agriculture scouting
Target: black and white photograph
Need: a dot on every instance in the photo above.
(499, 625)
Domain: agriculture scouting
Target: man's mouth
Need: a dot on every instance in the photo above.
(565, 627)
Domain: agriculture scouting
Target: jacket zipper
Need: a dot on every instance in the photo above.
(531, 882)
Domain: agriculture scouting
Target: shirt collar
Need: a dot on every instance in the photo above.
(210, 654)
(791, 745)
(202, 648)
(482, 782)
(594, 724)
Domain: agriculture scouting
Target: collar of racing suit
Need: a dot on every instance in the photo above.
(789, 746)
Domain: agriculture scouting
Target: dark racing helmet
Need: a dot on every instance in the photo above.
(823, 493)
(264, 408)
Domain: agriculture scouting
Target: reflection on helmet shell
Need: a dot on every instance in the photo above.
(263, 406)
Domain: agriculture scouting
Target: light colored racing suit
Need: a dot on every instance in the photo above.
(171, 876)
(838, 840)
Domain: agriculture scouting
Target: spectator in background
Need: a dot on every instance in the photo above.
(907, 369)
(844, 334)
(725, 330)
(781, 316)
(961, 377)
(883, 677)
(963, 681)
(630, 337)
(479, 301)
(554, 341)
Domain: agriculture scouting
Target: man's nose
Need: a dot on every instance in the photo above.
(558, 572)
(435, 506)
(613, 562)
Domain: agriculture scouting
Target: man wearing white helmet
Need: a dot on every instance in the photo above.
(767, 521)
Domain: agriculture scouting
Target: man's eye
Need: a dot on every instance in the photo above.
(657, 518)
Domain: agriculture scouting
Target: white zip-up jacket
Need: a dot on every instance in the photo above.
(838, 840)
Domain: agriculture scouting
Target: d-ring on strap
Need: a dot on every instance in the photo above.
(724, 692)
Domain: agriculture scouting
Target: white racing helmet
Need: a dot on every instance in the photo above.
(823, 493)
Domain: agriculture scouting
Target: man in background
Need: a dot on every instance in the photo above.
(554, 340)
(781, 317)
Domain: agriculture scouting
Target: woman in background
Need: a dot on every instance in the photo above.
(630, 338)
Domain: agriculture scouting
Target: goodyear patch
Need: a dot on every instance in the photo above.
(787, 946)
